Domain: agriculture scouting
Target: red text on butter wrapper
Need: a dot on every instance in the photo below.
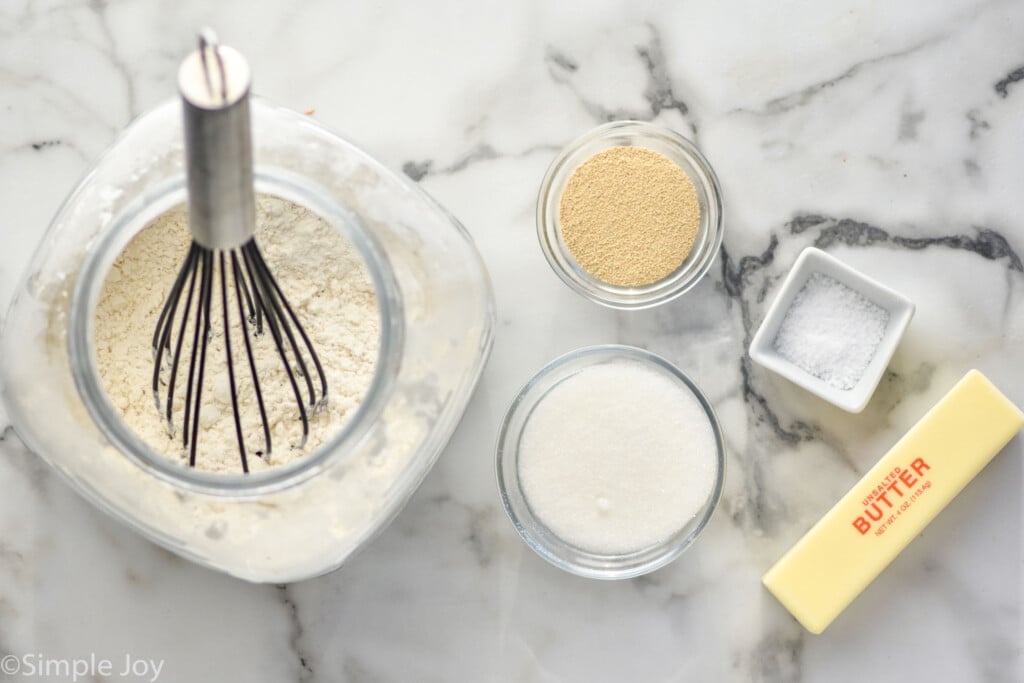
(888, 496)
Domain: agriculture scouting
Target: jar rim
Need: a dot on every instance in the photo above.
(81, 340)
(679, 150)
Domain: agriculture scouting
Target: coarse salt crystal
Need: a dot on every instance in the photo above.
(831, 331)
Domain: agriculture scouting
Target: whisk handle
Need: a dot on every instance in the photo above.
(214, 83)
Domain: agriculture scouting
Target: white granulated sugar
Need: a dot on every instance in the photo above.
(831, 331)
(617, 457)
(326, 282)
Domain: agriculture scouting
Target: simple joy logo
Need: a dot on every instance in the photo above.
(74, 669)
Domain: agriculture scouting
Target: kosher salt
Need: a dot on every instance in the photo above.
(831, 331)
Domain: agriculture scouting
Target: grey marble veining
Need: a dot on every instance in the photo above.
(885, 133)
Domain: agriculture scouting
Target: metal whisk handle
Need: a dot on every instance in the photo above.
(214, 83)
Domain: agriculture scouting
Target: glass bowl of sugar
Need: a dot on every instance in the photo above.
(610, 462)
(629, 215)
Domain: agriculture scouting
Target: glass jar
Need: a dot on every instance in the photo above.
(297, 520)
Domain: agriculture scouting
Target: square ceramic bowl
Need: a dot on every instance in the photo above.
(811, 261)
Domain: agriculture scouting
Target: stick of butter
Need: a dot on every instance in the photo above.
(894, 502)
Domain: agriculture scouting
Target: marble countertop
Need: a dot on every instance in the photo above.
(888, 134)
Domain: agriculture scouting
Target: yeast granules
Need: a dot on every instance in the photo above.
(629, 216)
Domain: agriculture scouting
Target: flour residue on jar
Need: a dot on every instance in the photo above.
(325, 280)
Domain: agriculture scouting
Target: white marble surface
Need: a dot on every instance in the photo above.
(888, 133)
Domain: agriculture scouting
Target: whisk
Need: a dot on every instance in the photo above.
(214, 83)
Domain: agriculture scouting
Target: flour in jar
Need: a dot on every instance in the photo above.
(327, 284)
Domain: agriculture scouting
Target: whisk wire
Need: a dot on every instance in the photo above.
(203, 324)
(208, 40)
(167, 312)
(192, 262)
(193, 357)
(265, 299)
(240, 286)
(231, 367)
(313, 401)
(162, 333)
(274, 295)
(187, 314)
